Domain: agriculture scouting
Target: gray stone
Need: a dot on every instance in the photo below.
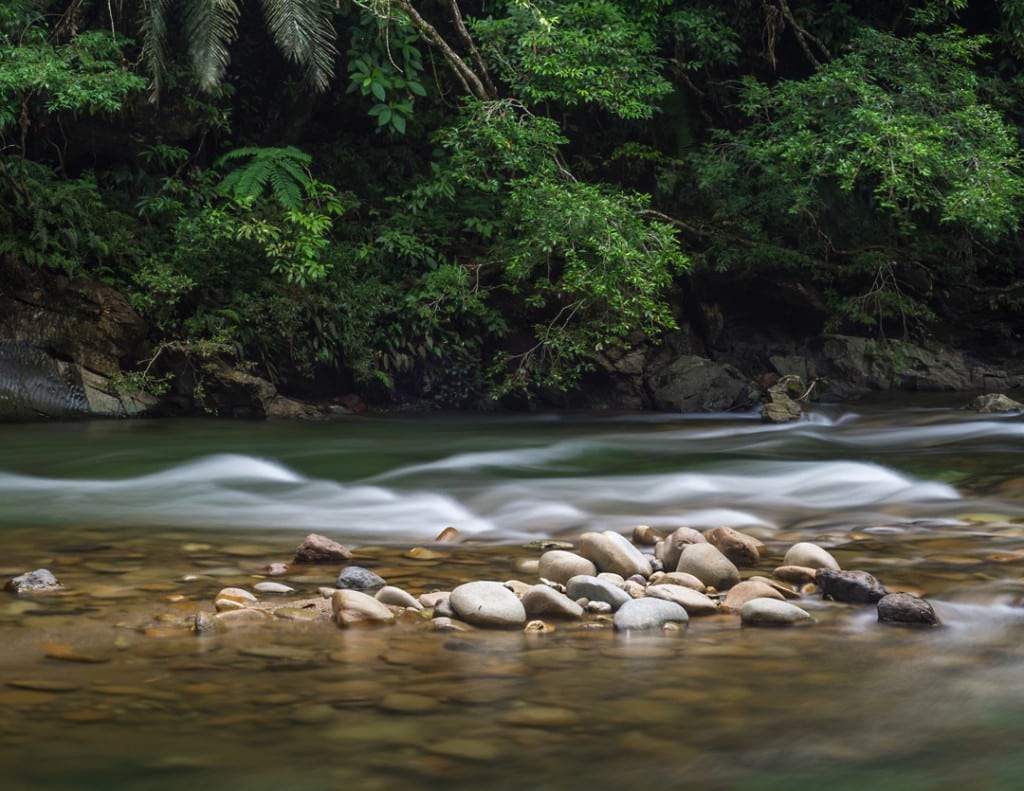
(743, 550)
(850, 587)
(320, 549)
(694, 602)
(612, 552)
(648, 613)
(38, 581)
(356, 578)
(810, 555)
(772, 612)
(584, 586)
(697, 384)
(543, 600)
(709, 565)
(559, 565)
(907, 610)
(485, 603)
(991, 403)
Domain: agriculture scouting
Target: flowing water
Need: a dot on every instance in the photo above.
(104, 686)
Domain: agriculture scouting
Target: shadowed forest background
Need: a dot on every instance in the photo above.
(444, 203)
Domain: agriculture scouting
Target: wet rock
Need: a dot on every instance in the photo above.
(782, 405)
(645, 536)
(489, 604)
(233, 599)
(612, 552)
(38, 581)
(275, 569)
(678, 578)
(669, 550)
(648, 613)
(518, 587)
(356, 578)
(397, 597)
(598, 607)
(542, 600)
(811, 555)
(906, 609)
(273, 587)
(785, 591)
(320, 549)
(298, 614)
(696, 384)
(446, 624)
(355, 608)
(559, 565)
(448, 536)
(993, 403)
(431, 599)
(709, 565)
(850, 587)
(593, 589)
(796, 575)
(748, 590)
(538, 627)
(206, 623)
(694, 602)
(635, 589)
(240, 619)
(528, 566)
(772, 612)
(743, 550)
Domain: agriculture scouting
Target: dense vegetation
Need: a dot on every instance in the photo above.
(444, 200)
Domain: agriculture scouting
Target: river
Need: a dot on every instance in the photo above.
(144, 521)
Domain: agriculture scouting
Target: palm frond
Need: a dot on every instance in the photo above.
(210, 26)
(302, 30)
(155, 49)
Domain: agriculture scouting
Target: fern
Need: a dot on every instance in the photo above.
(283, 170)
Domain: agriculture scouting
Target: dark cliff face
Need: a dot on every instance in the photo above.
(61, 339)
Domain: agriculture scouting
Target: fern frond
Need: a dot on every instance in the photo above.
(302, 30)
(210, 26)
(283, 170)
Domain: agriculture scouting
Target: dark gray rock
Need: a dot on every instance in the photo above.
(906, 609)
(356, 578)
(38, 581)
(850, 587)
(697, 384)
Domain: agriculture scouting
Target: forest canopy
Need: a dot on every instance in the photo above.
(445, 201)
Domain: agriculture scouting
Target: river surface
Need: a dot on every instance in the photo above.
(105, 687)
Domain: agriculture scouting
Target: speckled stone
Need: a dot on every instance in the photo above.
(357, 578)
(38, 581)
(743, 550)
(850, 587)
(907, 610)
(320, 549)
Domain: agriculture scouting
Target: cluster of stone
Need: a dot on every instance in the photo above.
(607, 579)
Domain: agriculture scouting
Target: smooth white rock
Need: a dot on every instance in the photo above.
(648, 613)
(486, 603)
(694, 602)
(811, 556)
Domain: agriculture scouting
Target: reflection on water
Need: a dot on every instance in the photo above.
(105, 688)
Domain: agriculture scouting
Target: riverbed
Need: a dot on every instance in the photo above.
(106, 687)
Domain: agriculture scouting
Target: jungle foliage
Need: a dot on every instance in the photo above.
(445, 201)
